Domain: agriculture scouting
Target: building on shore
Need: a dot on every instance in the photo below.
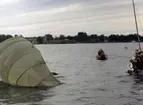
(48, 39)
(64, 41)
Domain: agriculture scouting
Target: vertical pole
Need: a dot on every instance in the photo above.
(136, 24)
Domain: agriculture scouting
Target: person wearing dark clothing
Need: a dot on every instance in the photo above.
(137, 62)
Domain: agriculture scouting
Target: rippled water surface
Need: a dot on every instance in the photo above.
(87, 81)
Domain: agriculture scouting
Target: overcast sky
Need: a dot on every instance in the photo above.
(68, 17)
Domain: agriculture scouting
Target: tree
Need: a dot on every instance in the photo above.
(82, 37)
(56, 38)
(40, 40)
(49, 37)
(62, 37)
(70, 37)
(15, 35)
(4, 37)
(21, 36)
(101, 38)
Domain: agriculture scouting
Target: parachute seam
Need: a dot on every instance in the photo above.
(43, 79)
(11, 45)
(27, 70)
(5, 60)
(3, 64)
(15, 62)
(7, 57)
(11, 39)
(40, 81)
(28, 79)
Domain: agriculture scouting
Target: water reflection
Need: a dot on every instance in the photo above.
(134, 94)
(138, 79)
(15, 95)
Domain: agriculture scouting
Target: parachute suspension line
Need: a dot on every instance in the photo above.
(41, 80)
(138, 17)
(134, 9)
(59, 60)
(29, 78)
(33, 42)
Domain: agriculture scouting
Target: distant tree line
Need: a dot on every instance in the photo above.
(83, 37)
(4, 37)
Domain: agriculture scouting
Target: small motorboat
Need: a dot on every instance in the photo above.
(126, 47)
(101, 55)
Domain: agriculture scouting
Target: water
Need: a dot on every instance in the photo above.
(87, 81)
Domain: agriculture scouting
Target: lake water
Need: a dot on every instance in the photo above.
(87, 81)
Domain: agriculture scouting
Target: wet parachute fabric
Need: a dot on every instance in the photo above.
(21, 64)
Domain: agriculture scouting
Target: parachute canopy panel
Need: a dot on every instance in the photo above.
(21, 64)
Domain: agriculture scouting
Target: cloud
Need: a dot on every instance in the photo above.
(36, 18)
(7, 2)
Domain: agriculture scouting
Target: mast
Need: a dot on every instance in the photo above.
(134, 9)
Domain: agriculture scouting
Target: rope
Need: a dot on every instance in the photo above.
(59, 60)
(138, 17)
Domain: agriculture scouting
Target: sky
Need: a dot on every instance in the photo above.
(68, 17)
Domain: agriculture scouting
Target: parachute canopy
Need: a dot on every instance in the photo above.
(21, 64)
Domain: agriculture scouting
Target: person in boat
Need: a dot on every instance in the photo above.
(126, 47)
(101, 52)
(137, 61)
(101, 55)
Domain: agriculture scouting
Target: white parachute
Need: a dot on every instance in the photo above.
(21, 64)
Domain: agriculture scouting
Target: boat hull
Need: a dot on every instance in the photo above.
(131, 71)
(103, 57)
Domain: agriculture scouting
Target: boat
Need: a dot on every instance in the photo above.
(126, 47)
(132, 72)
(101, 55)
(134, 68)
